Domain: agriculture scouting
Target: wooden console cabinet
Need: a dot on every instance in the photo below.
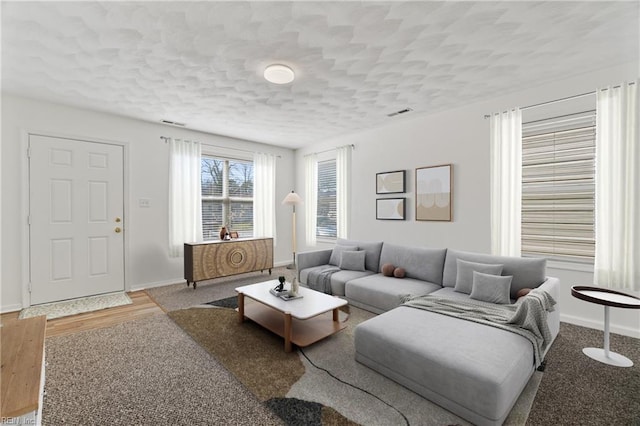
(215, 259)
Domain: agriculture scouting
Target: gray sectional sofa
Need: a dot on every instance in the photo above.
(471, 368)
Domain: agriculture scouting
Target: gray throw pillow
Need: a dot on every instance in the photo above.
(352, 260)
(464, 278)
(491, 288)
(336, 254)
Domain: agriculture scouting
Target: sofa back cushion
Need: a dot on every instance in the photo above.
(372, 250)
(424, 264)
(336, 254)
(526, 272)
(465, 270)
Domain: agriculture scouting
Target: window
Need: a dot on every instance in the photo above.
(227, 196)
(326, 219)
(558, 188)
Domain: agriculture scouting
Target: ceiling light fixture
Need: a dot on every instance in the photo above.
(279, 74)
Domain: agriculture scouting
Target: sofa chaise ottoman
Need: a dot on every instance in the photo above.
(474, 370)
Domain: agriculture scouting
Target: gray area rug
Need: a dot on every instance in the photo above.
(577, 390)
(149, 371)
(330, 376)
(339, 352)
(143, 372)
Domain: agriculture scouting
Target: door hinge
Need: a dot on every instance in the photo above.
(29, 287)
(29, 152)
(29, 220)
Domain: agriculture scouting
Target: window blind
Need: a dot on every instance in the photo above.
(227, 196)
(558, 188)
(326, 222)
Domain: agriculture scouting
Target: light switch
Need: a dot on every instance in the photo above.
(144, 202)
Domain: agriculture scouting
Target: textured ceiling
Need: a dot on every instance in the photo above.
(201, 63)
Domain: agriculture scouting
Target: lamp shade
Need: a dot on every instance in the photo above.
(292, 199)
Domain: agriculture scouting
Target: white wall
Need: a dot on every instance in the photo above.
(148, 263)
(460, 137)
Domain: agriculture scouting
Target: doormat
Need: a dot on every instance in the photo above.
(76, 306)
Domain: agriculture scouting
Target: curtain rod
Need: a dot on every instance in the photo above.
(166, 139)
(332, 149)
(593, 92)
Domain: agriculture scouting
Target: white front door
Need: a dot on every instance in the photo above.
(76, 218)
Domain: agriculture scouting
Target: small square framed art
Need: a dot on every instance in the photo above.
(391, 182)
(391, 208)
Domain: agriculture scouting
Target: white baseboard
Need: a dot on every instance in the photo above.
(143, 286)
(599, 325)
(10, 308)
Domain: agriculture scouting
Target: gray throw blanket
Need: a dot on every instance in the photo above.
(320, 279)
(527, 317)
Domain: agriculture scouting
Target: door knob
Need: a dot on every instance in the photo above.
(118, 220)
(118, 229)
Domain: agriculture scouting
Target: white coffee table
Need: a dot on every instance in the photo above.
(608, 298)
(299, 321)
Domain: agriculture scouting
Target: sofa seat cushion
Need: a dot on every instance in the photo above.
(338, 279)
(473, 370)
(304, 273)
(385, 293)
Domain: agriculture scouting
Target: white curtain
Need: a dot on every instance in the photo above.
(617, 216)
(264, 195)
(185, 196)
(506, 183)
(343, 167)
(311, 197)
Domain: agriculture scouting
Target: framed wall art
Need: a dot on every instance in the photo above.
(434, 191)
(390, 209)
(391, 182)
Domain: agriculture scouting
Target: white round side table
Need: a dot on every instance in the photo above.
(608, 298)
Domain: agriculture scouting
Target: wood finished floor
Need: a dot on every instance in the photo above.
(143, 306)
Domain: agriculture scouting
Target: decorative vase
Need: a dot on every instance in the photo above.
(294, 287)
(223, 232)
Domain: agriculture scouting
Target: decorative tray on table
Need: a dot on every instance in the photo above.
(284, 294)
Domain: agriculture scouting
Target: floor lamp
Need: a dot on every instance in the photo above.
(293, 199)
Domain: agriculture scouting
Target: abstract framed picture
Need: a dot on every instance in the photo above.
(390, 209)
(391, 182)
(434, 191)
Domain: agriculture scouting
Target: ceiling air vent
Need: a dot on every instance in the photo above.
(402, 111)
(172, 123)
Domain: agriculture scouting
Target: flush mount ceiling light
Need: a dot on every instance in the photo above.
(279, 74)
